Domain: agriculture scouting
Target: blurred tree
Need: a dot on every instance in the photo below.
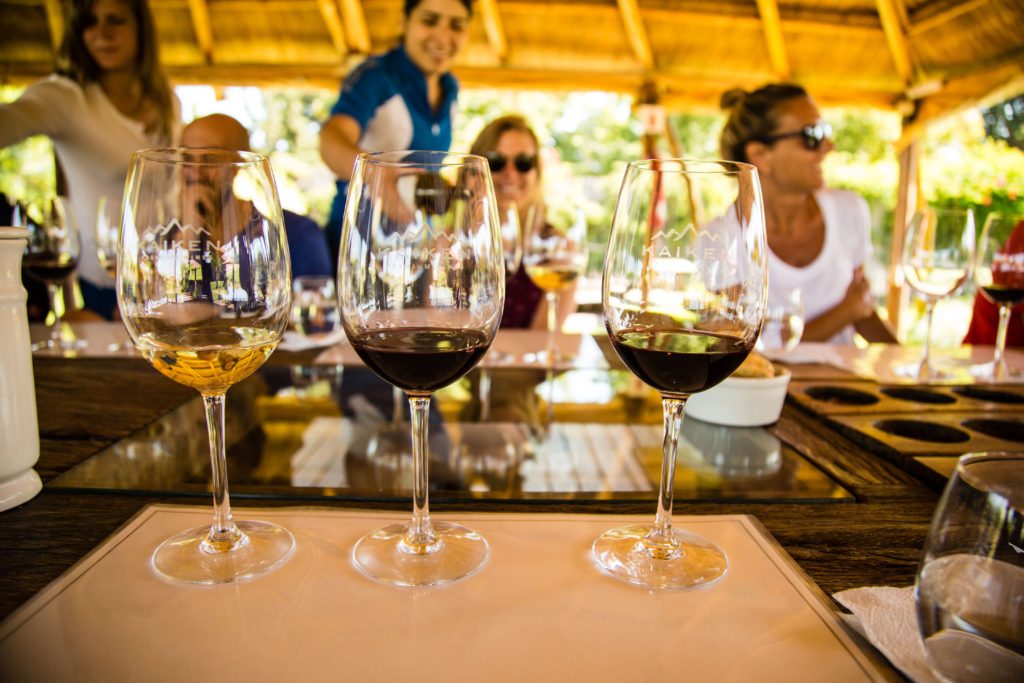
(1005, 121)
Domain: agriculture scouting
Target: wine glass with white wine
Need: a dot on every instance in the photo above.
(937, 259)
(203, 286)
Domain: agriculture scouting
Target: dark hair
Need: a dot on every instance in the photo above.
(76, 62)
(409, 5)
(752, 116)
(488, 138)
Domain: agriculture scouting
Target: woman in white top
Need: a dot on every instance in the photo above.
(109, 99)
(819, 239)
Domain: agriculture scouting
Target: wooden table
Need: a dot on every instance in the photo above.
(86, 405)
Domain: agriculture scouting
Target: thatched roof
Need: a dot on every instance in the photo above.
(928, 56)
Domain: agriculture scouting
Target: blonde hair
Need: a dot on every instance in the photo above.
(753, 116)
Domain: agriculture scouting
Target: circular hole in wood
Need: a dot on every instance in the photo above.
(1008, 430)
(990, 395)
(917, 395)
(841, 395)
(923, 431)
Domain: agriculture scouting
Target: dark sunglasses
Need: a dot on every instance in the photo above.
(524, 163)
(812, 136)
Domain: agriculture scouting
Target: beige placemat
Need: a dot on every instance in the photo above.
(538, 611)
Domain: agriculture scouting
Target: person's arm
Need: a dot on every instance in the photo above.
(41, 110)
(339, 147)
(876, 330)
(856, 306)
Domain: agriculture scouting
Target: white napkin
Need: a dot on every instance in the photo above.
(887, 617)
(293, 341)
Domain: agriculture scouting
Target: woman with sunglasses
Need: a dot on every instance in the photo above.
(512, 152)
(819, 238)
(402, 99)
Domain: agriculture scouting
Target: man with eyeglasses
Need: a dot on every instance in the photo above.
(819, 238)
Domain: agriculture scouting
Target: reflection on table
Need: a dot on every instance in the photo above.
(326, 431)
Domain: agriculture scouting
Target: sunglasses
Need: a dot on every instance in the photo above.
(812, 136)
(524, 163)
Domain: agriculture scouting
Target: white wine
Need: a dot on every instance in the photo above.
(208, 359)
(935, 282)
(552, 277)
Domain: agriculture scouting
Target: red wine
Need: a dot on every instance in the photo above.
(999, 294)
(680, 362)
(48, 267)
(421, 360)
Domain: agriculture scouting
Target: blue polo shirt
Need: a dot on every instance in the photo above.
(387, 97)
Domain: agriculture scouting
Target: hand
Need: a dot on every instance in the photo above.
(858, 300)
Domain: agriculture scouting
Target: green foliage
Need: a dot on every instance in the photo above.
(27, 171)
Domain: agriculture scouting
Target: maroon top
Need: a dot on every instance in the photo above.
(522, 298)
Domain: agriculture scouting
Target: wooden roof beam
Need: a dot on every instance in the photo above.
(355, 26)
(636, 34)
(772, 25)
(949, 14)
(201, 24)
(55, 20)
(494, 28)
(889, 15)
(332, 20)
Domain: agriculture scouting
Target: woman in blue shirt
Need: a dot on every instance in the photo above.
(402, 99)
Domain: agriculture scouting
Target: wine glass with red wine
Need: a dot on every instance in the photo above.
(421, 284)
(51, 256)
(999, 274)
(204, 290)
(684, 296)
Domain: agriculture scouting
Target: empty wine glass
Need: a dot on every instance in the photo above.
(999, 274)
(683, 300)
(421, 288)
(937, 259)
(108, 223)
(51, 256)
(555, 255)
(203, 286)
(970, 585)
(783, 324)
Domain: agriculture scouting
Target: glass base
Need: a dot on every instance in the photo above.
(66, 347)
(385, 557)
(921, 372)
(623, 554)
(183, 559)
(985, 372)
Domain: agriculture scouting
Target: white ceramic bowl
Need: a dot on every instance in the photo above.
(742, 401)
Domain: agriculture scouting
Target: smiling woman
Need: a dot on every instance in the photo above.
(402, 99)
(109, 99)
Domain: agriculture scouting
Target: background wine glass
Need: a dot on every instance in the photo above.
(51, 256)
(315, 308)
(108, 223)
(937, 260)
(512, 248)
(203, 286)
(999, 274)
(684, 295)
(783, 325)
(554, 255)
(424, 325)
(970, 585)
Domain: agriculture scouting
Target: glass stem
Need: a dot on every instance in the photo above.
(998, 364)
(552, 299)
(926, 361)
(56, 294)
(420, 539)
(224, 535)
(660, 543)
(485, 394)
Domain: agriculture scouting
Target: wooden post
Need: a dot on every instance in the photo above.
(906, 203)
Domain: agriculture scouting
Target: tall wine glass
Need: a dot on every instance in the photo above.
(421, 287)
(970, 585)
(684, 295)
(937, 258)
(203, 285)
(555, 255)
(108, 224)
(51, 256)
(999, 274)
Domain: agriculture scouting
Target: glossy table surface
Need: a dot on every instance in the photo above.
(848, 517)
